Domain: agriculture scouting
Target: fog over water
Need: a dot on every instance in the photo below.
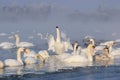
(102, 22)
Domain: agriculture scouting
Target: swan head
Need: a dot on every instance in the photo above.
(26, 51)
(16, 36)
(75, 47)
(92, 41)
(21, 49)
(57, 27)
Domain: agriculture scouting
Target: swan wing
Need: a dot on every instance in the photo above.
(51, 42)
(31, 54)
(26, 44)
(67, 46)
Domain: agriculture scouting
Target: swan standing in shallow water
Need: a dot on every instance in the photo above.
(15, 62)
(22, 44)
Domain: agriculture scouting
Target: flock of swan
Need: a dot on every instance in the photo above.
(60, 48)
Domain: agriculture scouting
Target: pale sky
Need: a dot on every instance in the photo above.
(82, 5)
(83, 23)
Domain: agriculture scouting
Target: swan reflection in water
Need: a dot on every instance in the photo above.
(104, 63)
(13, 70)
(20, 70)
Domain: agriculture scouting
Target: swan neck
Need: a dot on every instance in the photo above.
(90, 49)
(110, 49)
(19, 56)
(93, 42)
(90, 52)
(17, 40)
(75, 47)
(58, 39)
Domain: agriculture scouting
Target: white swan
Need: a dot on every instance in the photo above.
(7, 45)
(31, 57)
(77, 58)
(57, 45)
(22, 44)
(104, 50)
(15, 62)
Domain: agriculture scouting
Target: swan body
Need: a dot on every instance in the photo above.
(76, 58)
(7, 45)
(15, 62)
(22, 44)
(59, 48)
(25, 44)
